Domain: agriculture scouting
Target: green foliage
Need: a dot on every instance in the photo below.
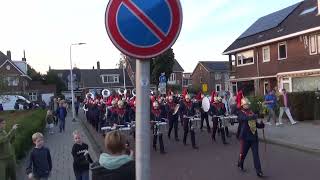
(29, 123)
(35, 76)
(257, 105)
(194, 89)
(162, 63)
(3, 84)
(52, 78)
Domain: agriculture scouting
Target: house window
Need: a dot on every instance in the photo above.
(266, 54)
(313, 45)
(110, 78)
(226, 76)
(33, 96)
(265, 87)
(282, 50)
(217, 76)
(286, 84)
(218, 87)
(201, 80)
(245, 58)
(172, 77)
(234, 88)
(12, 80)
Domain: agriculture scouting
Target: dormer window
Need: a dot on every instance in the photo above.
(245, 58)
(110, 78)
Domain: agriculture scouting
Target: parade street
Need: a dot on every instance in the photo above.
(218, 161)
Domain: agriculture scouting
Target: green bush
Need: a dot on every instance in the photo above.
(174, 88)
(29, 123)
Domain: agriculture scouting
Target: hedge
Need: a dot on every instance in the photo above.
(303, 105)
(29, 122)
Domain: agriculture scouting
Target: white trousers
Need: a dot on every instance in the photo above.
(287, 110)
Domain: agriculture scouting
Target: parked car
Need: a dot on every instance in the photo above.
(12, 102)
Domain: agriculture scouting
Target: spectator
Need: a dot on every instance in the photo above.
(284, 107)
(115, 164)
(271, 102)
(7, 156)
(1, 107)
(40, 164)
(81, 157)
(76, 106)
(50, 121)
(62, 113)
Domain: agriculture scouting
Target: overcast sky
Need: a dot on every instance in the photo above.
(46, 28)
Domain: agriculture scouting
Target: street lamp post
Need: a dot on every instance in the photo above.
(124, 75)
(71, 80)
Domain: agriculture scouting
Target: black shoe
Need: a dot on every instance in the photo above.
(195, 147)
(240, 166)
(260, 174)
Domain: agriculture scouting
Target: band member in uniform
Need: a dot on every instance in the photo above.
(218, 109)
(204, 115)
(187, 110)
(112, 113)
(173, 118)
(121, 113)
(249, 136)
(156, 115)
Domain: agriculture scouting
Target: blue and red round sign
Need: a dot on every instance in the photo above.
(143, 29)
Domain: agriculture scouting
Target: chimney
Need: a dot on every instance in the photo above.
(92, 67)
(9, 55)
(98, 65)
(24, 56)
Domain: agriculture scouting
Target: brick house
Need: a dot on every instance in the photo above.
(176, 77)
(211, 75)
(279, 50)
(14, 74)
(17, 81)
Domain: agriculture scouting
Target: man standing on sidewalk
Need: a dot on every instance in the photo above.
(270, 100)
(284, 107)
(7, 156)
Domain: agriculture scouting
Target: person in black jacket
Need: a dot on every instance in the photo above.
(40, 164)
(249, 136)
(115, 164)
(81, 157)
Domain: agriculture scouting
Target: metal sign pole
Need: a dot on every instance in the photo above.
(143, 120)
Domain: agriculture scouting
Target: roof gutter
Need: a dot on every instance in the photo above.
(275, 39)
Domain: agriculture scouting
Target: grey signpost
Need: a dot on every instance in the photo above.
(144, 40)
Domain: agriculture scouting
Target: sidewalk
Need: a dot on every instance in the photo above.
(60, 145)
(303, 136)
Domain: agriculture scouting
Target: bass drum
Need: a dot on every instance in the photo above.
(205, 104)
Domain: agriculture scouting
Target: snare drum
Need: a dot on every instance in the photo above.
(125, 130)
(195, 123)
(224, 120)
(162, 127)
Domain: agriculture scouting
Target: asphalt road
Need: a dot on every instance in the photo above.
(218, 161)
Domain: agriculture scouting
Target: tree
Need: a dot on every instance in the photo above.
(52, 78)
(162, 63)
(35, 76)
(3, 84)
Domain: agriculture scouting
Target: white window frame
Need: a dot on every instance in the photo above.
(239, 55)
(173, 77)
(280, 44)
(115, 78)
(217, 76)
(14, 82)
(263, 54)
(315, 44)
(217, 88)
(33, 96)
(289, 81)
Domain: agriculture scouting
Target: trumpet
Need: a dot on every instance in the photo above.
(134, 91)
(122, 91)
(90, 95)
